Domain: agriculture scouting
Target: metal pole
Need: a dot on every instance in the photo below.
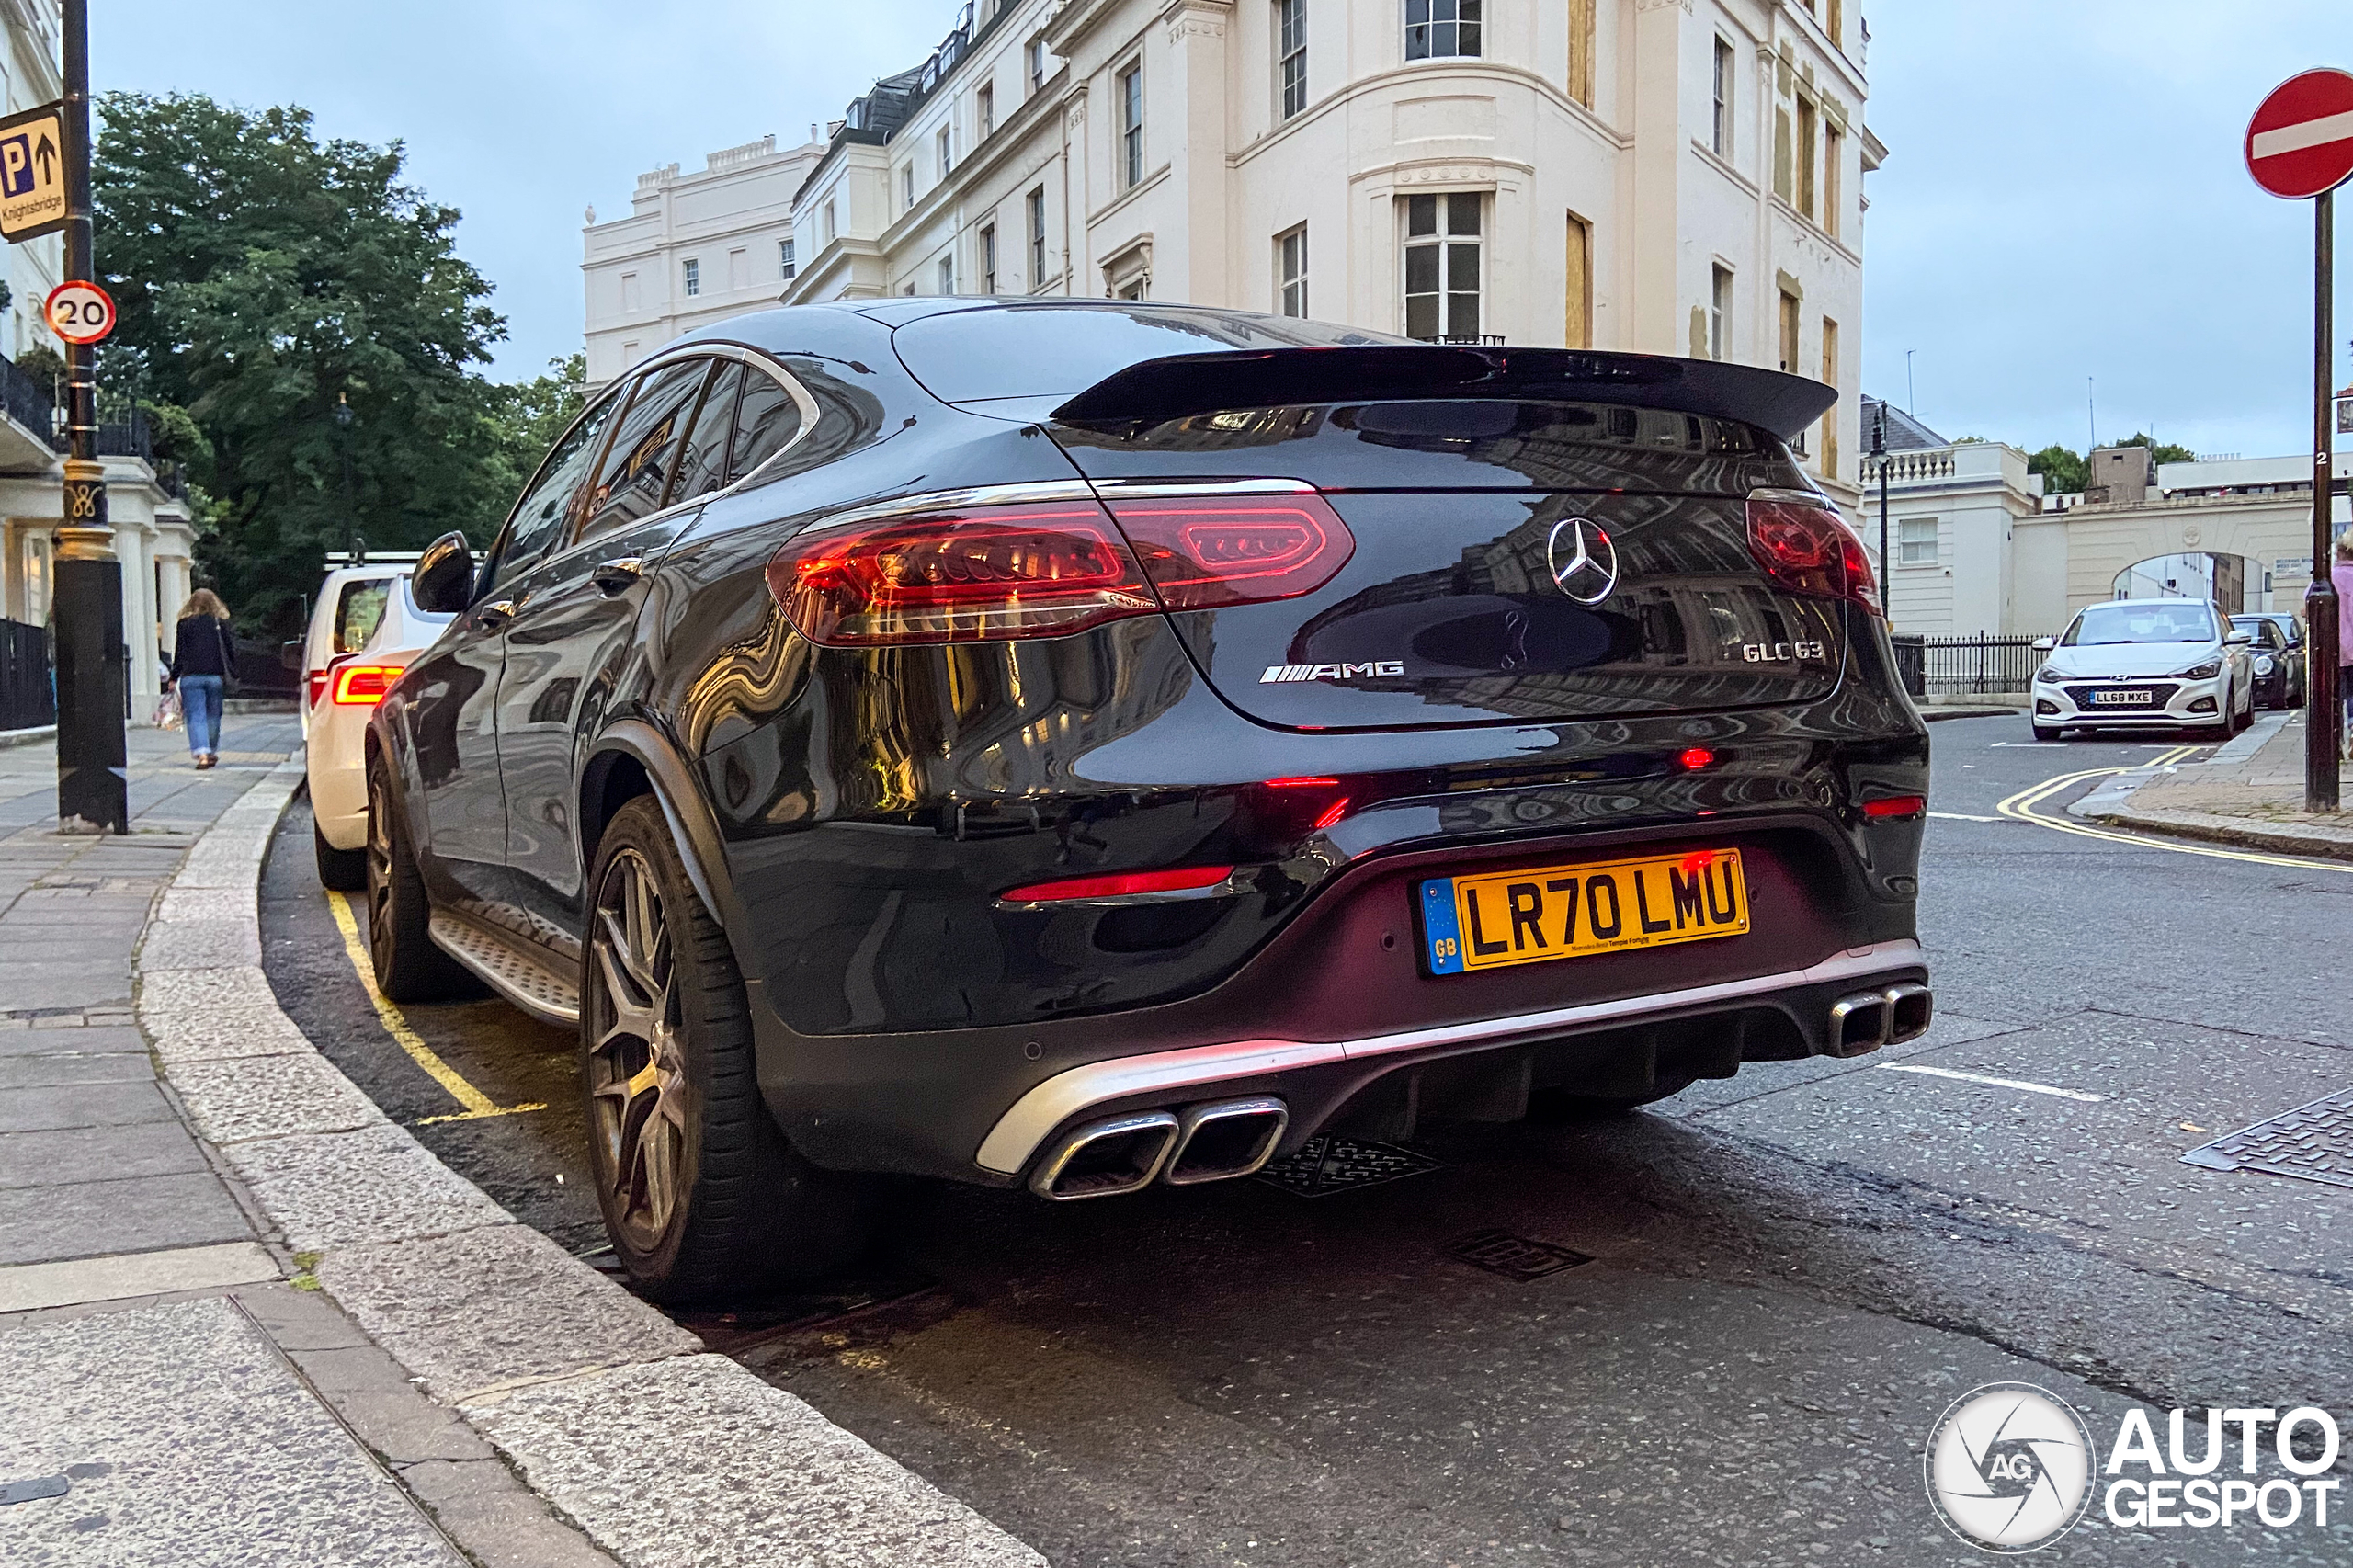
(93, 673)
(2324, 718)
(1886, 572)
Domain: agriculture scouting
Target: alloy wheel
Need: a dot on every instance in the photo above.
(379, 883)
(637, 1090)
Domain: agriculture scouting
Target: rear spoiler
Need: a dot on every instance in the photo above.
(1185, 384)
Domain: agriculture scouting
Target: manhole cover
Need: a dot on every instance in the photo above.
(1328, 1165)
(2311, 1143)
(1514, 1258)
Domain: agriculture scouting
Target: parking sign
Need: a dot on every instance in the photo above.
(32, 173)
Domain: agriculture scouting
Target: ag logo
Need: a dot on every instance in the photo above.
(1583, 561)
(2009, 1468)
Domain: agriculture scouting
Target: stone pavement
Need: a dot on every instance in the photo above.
(2250, 793)
(165, 1395)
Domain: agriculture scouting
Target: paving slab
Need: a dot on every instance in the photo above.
(25, 1041)
(336, 1189)
(93, 1219)
(30, 1286)
(213, 1034)
(269, 1096)
(69, 1067)
(629, 1454)
(486, 1307)
(75, 1154)
(186, 1439)
(212, 943)
(83, 1105)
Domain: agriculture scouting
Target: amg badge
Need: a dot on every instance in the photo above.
(1331, 672)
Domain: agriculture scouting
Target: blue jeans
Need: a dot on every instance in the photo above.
(200, 707)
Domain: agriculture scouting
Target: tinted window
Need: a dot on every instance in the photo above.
(766, 421)
(702, 467)
(539, 515)
(646, 446)
(2185, 621)
(358, 611)
(1058, 350)
(2267, 634)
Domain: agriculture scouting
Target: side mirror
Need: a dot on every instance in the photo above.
(2044, 644)
(2238, 638)
(290, 654)
(443, 581)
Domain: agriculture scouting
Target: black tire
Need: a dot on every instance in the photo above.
(2048, 732)
(701, 1194)
(408, 967)
(345, 870)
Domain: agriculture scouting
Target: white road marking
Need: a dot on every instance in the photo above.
(1997, 1083)
(1962, 816)
(2033, 745)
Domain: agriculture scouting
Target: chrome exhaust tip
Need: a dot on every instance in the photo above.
(1106, 1158)
(1911, 1009)
(1233, 1138)
(1858, 1024)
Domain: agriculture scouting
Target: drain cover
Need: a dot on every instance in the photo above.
(1328, 1165)
(1514, 1258)
(2311, 1143)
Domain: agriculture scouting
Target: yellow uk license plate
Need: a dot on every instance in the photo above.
(1542, 913)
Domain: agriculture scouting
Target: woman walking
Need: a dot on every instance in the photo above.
(201, 657)
(2341, 574)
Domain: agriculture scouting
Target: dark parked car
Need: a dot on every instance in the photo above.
(2278, 658)
(1089, 744)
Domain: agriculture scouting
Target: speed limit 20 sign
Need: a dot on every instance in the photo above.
(79, 313)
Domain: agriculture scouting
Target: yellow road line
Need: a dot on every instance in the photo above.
(478, 1105)
(2021, 805)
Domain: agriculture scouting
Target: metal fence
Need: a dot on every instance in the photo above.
(1975, 667)
(259, 672)
(27, 698)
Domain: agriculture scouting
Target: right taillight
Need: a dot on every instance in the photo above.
(1809, 550)
(996, 572)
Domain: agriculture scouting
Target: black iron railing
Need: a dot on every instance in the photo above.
(28, 699)
(1976, 666)
(1911, 666)
(26, 399)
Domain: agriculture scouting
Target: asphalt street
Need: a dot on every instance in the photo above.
(1786, 1277)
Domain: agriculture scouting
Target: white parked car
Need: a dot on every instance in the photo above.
(2149, 665)
(362, 635)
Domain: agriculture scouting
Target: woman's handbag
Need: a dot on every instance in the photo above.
(230, 684)
(167, 711)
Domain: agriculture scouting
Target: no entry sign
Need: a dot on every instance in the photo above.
(2300, 142)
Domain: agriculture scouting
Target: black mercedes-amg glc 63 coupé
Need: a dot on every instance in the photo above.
(1086, 745)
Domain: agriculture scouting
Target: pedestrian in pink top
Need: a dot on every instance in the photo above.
(2341, 574)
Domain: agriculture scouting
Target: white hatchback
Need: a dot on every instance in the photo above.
(2145, 665)
(362, 635)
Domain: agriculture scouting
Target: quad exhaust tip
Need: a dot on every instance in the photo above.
(1862, 1023)
(1126, 1154)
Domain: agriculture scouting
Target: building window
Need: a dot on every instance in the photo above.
(1915, 541)
(1830, 379)
(1833, 153)
(1720, 134)
(831, 231)
(785, 267)
(948, 274)
(1290, 56)
(1835, 24)
(1131, 125)
(984, 107)
(1037, 61)
(694, 277)
(1442, 265)
(1290, 272)
(1809, 119)
(1790, 333)
(1579, 333)
(907, 187)
(945, 145)
(1581, 51)
(1036, 203)
(1719, 311)
(988, 259)
(1441, 29)
(1134, 288)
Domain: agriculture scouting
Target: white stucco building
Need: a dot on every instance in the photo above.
(1672, 177)
(153, 536)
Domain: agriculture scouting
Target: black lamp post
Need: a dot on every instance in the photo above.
(1886, 573)
(343, 418)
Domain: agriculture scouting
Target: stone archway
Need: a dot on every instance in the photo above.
(2240, 584)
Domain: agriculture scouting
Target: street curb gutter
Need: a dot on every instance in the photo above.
(2209, 829)
(664, 1454)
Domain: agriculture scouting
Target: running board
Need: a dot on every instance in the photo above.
(522, 978)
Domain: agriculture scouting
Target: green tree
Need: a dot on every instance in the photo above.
(2061, 468)
(527, 417)
(264, 275)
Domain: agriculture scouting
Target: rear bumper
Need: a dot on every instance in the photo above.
(1289, 1069)
(336, 765)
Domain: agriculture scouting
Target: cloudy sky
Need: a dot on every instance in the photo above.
(2064, 196)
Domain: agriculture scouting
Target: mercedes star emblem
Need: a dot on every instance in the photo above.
(1583, 562)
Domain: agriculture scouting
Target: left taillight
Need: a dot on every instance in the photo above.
(1808, 549)
(361, 685)
(999, 572)
(318, 686)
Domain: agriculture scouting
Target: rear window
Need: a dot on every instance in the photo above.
(358, 611)
(2102, 624)
(1056, 350)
